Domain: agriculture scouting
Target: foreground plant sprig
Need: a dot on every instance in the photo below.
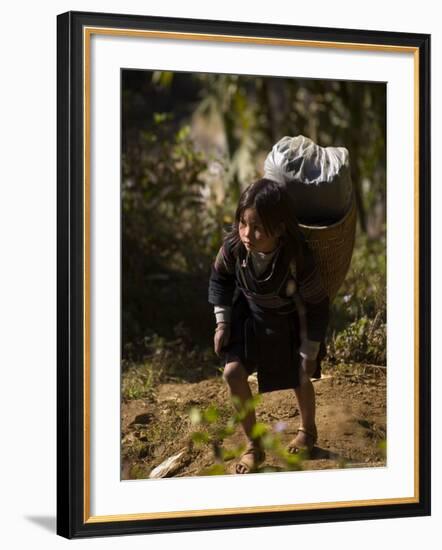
(212, 432)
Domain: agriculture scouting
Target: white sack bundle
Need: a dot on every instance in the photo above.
(317, 178)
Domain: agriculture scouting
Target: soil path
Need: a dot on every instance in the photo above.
(351, 421)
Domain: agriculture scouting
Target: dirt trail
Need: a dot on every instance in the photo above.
(351, 421)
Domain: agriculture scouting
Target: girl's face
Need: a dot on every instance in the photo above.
(253, 235)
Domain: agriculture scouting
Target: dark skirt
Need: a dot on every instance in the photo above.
(266, 342)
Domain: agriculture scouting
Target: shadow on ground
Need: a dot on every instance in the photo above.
(48, 523)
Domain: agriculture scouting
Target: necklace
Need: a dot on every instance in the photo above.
(245, 262)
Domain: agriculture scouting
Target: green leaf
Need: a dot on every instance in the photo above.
(231, 424)
(195, 416)
(252, 403)
(383, 447)
(215, 470)
(259, 430)
(271, 441)
(236, 401)
(159, 118)
(200, 437)
(211, 414)
(226, 432)
(230, 454)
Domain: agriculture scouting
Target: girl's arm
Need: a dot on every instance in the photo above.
(222, 279)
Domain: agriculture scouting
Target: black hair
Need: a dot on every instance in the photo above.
(274, 207)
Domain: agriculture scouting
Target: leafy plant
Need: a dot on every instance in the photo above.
(363, 341)
(359, 315)
(163, 360)
(212, 432)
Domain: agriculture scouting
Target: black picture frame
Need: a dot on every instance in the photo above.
(73, 519)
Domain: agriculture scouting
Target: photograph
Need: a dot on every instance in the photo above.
(253, 258)
(243, 329)
(221, 221)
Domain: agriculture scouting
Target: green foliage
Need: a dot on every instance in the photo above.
(200, 437)
(214, 470)
(214, 428)
(171, 227)
(383, 447)
(363, 341)
(211, 415)
(259, 430)
(363, 291)
(226, 101)
(358, 319)
(164, 361)
(163, 222)
(139, 381)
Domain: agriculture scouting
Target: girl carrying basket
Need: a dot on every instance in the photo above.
(271, 309)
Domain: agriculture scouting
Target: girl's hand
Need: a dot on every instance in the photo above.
(309, 366)
(222, 336)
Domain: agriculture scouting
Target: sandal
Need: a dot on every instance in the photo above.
(310, 437)
(250, 460)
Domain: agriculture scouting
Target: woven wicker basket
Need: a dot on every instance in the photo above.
(332, 247)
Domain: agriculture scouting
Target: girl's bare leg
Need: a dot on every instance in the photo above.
(236, 377)
(305, 394)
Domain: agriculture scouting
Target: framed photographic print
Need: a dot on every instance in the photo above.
(243, 274)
